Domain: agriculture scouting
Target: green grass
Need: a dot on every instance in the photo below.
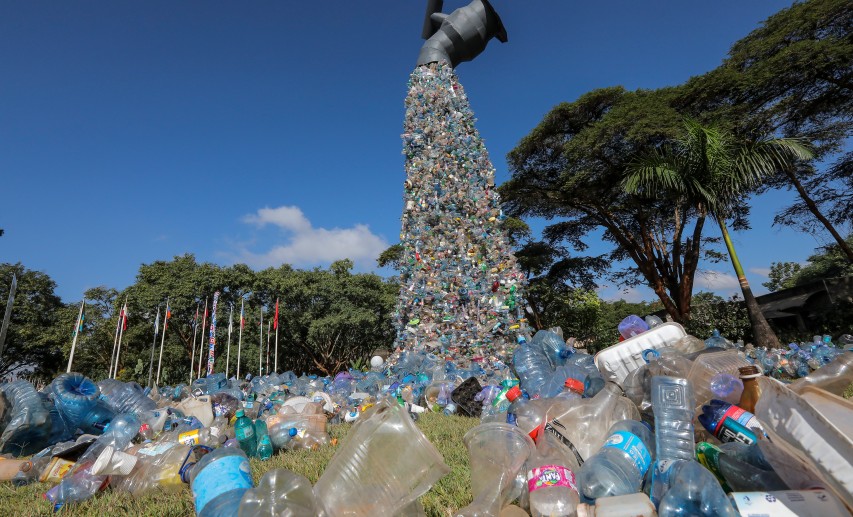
(452, 492)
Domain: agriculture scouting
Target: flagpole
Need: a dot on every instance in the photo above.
(8, 314)
(76, 333)
(275, 368)
(153, 345)
(162, 340)
(211, 351)
(261, 346)
(228, 352)
(120, 336)
(195, 333)
(240, 339)
(115, 344)
(201, 341)
(268, 347)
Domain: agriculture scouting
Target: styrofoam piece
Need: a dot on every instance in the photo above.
(617, 361)
(807, 432)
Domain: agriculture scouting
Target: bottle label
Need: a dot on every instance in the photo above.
(220, 476)
(633, 446)
(548, 476)
(788, 503)
(733, 431)
(245, 433)
(660, 480)
(189, 438)
(739, 415)
(709, 456)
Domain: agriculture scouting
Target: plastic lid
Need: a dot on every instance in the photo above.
(574, 385)
(240, 413)
(513, 393)
(292, 432)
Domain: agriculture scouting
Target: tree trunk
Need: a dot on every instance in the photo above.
(813, 208)
(764, 335)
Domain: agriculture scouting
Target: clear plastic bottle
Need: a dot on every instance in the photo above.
(30, 425)
(618, 468)
(265, 448)
(219, 481)
(531, 366)
(694, 491)
(551, 480)
(673, 405)
(125, 397)
(279, 492)
(244, 429)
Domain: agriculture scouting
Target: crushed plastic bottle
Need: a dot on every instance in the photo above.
(619, 467)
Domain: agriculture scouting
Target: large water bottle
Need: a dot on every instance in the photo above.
(75, 396)
(30, 423)
(696, 492)
(553, 346)
(125, 397)
(279, 492)
(531, 366)
(219, 481)
(619, 466)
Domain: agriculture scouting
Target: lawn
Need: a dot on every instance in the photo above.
(448, 495)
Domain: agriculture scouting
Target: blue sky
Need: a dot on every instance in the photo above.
(268, 131)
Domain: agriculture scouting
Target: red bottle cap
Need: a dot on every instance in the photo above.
(574, 385)
(513, 393)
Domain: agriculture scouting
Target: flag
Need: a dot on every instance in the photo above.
(231, 321)
(167, 316)
(124, 317)
(157, 323)
(82, 318)
(275, 321)
(242, 317)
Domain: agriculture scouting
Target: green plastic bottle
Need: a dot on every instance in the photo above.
(265, 448)
(244, 428)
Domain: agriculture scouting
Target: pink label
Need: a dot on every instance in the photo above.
(548, 476)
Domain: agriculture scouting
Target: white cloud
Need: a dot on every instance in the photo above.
(305, 245)
(760, 271)
(717, 281)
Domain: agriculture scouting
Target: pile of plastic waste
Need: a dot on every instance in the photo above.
(662, 423)
(460, 286)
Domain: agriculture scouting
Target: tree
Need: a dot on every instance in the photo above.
(712, 171)
(792, 77)
(570, 168)
(782, 275)
(828, 262)
(40, 324)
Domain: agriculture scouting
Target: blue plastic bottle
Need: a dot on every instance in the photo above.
(729, 423)
(244, 429)
(218, 482)
(694, 491)
(531, 366)
(619, 466)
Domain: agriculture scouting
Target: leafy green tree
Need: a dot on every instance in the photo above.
(828, 262)
(710, 169)
(792, 77)
(40, 324)
(569, 169)
(713, 312)
(782, 275)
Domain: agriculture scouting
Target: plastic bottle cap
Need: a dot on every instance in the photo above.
(513, 393)
(574, 385)
(240, 413)
(292, 432)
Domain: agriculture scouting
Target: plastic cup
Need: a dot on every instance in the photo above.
(497, 452)
(385, 464)
(112, 462)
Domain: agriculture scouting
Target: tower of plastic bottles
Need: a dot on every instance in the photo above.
(461, 290)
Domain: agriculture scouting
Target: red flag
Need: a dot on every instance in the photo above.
(124, 317)
(275, 321)
(242, 318)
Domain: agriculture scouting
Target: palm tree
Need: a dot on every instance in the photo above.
(710, 169)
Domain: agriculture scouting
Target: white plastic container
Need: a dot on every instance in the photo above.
(800, 424)
(617, 361)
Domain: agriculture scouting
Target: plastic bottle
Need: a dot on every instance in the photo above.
(29, 427)
(751, 389)
(265, 448)
(631, 326)
(553, 346)
(125, 397)
(279, 492)
(244, 429)
(531, 366)
(717, 341)
(729, 423)
(207, 436)
(74, 395)
(528, 415)
(218, 482)
(618, 468)
(673, 405)
(694, 491)
(551, 479)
